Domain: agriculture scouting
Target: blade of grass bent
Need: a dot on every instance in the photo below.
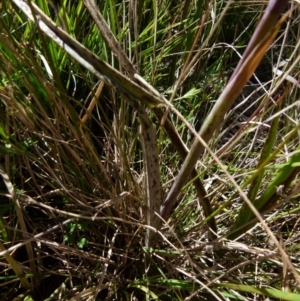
(148, 132)
(86, 58)
(168, 126)
(131, 91)
(108, 36)
(226, 99)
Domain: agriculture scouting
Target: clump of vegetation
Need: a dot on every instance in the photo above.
(149, 150)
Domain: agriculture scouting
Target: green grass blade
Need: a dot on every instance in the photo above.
(266, 292)
(246, 214)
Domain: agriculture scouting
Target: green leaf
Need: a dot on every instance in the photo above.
(82, 243)
(146, 291)
(190, 94)
(2, 133)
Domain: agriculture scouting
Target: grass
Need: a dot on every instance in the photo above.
(141, 158)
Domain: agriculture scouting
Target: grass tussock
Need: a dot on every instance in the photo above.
(142, 157)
